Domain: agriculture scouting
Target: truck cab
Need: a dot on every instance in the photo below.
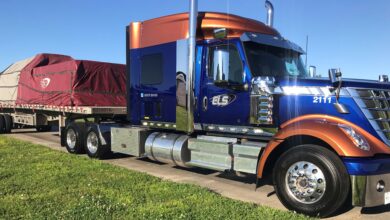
(230, 77)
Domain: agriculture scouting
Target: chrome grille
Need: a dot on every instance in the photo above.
(375, 104)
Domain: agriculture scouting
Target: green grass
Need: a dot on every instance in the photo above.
(39, 183)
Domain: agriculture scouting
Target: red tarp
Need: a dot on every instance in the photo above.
(45, 59)
(68, 82)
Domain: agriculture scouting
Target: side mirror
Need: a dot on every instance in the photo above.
(335, 78)
(383, 78)
(335, 75)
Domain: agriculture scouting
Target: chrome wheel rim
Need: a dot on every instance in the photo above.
(92, 142)
(71, 138)
(305, 182)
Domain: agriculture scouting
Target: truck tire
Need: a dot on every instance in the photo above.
(2, 124)
(311, 180)
(93, 145)
(8, 123)
(74, 138)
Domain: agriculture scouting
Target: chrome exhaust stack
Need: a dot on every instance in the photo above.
(192, 25)
(270, 13)
(312, 71)
(185, 73)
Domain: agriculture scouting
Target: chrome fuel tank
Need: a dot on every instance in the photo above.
(168, 148)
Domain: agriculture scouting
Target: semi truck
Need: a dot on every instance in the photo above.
(228, 93)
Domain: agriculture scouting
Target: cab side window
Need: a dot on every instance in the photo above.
(225, 64)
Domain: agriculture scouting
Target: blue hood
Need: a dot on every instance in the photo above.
(356, 83)
(291, 106)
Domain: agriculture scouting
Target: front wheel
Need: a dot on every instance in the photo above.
(311, 180)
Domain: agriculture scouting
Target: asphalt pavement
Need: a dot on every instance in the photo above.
(239, 187)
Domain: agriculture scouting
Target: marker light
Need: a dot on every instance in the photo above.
(356, 138)
(220, 33)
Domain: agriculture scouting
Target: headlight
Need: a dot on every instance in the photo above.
(356, 138)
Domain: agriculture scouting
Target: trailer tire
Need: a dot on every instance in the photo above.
(311, 180)
(93, 144)
(2, 124)
(74, 139)
(8, 123)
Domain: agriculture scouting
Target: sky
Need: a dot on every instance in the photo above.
(353, 35)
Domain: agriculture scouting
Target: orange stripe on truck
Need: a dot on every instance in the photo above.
(325, 128)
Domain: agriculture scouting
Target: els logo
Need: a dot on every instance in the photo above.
(223, 100)
(45, 83)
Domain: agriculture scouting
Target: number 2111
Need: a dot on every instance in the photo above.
(322, 99)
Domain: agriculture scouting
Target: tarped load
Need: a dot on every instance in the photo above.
(9, 78)
(74, 83)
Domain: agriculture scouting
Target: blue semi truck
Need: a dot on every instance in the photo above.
(223, 92)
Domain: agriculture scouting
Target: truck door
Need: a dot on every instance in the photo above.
(224, 96)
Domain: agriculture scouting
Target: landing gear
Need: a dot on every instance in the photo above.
(43, 128)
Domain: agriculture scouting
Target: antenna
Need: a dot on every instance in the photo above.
(307, 50)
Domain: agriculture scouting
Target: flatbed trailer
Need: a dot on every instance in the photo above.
(44, 117)
(47, 89)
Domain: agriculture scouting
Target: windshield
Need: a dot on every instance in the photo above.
(273, 61)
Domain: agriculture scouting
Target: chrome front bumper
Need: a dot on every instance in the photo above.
(365, 191)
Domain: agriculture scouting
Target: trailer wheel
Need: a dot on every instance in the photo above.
(8, 123)
(2, 124)
(74, 139)
(93, 145)
(311, 180)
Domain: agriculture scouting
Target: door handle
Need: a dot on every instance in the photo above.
(205, 102)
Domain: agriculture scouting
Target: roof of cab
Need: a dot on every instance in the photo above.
(175, 27)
